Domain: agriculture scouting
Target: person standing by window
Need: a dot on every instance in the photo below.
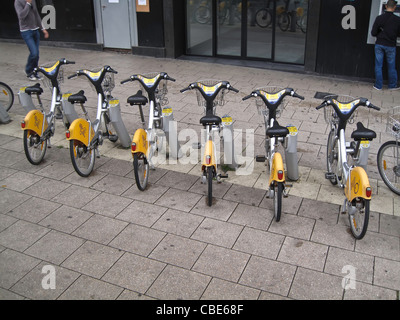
(30, 23)
(386, 29)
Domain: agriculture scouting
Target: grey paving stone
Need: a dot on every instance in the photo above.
(217, 232)
(20, 181)
(386, 273)
(178, 199)
(259, 243)
(178, 251)
(66, 219)
(380, 245)
(246, 195)
(107, 204)
(178, 222)
(142, 213)
(338, 259)
(113, 184)
(219, 190)
(137, 239)
(87, 288)
(55, 247)
(178, 180)
(333, 235)
(289, 205)
(314, 285)
(100, 229)
(21, 235)
(11, 199)
(150, 195)
(303, 253)
(87, 182)
(268, 275)
(46, 188)
(224, 290)
(321, 211)
(92, 259)
(175, 283)
(222, 263)
(364, 291)
(8, 158)
(117, 167)
(6, 172)
(8, 295)
(56, 170)
(31, 286)
(14, 266)
(220, 210)
(251, 216)
(390, 225)
(134, 272)
(6, 221)
(76, 196)
(293, 226)
(34, 209)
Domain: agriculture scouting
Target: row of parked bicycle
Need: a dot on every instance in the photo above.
(346, 161)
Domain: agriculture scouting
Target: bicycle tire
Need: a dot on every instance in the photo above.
(263, 18)
(34, 149)
(210, 176)
(6, 96)
(332, 155)
(284, 21)
(82, 158)
(202, 15)
(390, 174)
(278, 191)
(358, 232)
(141, 170)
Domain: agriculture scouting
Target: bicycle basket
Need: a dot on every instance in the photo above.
(393, 122)
(330, 114)
(162, 89)
(262, 108)
(219, 100)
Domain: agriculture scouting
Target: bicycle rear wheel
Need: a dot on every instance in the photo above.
(389, 165)
(82, 158)
(6, 96)
(210, 176)
(332, 156)
(278, 190)
(141, 170)
(359, 218)
(33, 147)
(284, 21)
(263, 18)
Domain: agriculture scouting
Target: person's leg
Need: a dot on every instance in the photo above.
(31, 39)
(379, 55)
(391, 63)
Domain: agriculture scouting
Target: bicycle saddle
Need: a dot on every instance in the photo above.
(210, 120)
(77, 98)
(277, 131)
(137, 99)
(36, 89)
(363, 133)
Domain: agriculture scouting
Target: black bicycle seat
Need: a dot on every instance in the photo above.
(277, 131)
(363, 133)
(35, 89)
(77, 98)
(210, 120)
(137, 99)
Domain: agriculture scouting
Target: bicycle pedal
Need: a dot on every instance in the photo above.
(330, 175)
(223, 176)
(260, 159)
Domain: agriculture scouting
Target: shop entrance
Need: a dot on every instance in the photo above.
(272, 30)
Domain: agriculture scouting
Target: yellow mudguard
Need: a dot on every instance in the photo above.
(209, 153)
(81, 130)
(34, 122)
(140, 140)
(277, 165)
(357, 184)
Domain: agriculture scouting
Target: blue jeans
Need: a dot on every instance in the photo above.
(32, 39)
(390, 53)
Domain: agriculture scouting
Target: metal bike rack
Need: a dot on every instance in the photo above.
(118, 124)
(291, 154)
(26, 100)
(229, 145)
(171, 132)
(4, 117)
(68, 108)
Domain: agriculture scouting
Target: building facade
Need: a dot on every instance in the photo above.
(327, 37)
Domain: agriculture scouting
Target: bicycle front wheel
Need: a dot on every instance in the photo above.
(389, 165)
(359, 217)
(33, 147)
(263, 18)
(82, 158)
(6, 96)
(332, 154)
(141, 170)
(278, 191)
(284, 21)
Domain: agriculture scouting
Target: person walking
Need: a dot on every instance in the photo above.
(386, 29)
(30, 23)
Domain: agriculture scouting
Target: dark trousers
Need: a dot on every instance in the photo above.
(32, 39)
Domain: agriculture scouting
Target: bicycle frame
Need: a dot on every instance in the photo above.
(277, 172)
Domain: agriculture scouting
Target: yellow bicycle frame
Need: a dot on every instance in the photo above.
(79, 130)
(140, 140)
(209, 154)
(277, 165)
(35, 121)
(357, 184)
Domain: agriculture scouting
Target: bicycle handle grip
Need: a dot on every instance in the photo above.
(247, 97)
(298, 96)
(126, 80)
(233, 89)
(323, 105)
(185, 89)
(373, 107)
(171, 79)
(73, 76)
(69, 62)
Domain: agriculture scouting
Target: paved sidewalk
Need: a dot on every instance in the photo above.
(107, 240)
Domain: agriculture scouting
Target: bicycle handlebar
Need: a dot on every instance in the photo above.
(289, 91)
(134, 77)
(363, 102)
(225, 85)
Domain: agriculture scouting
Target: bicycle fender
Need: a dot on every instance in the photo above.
(277, 165)
(209, 152)
(34, 122)
(140, 139)
(79, 130)
(357, 184)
